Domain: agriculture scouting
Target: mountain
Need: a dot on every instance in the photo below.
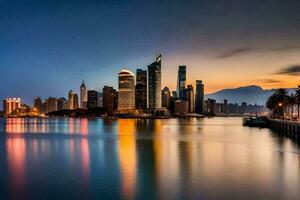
(251, 94)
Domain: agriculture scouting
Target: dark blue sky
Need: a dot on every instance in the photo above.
(49, 46)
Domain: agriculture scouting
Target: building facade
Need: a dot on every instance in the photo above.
(154, 84)
(199, 100)
(83, 95)
(190, 98)
(11, 104)
(141, 89)
(72, 100)
(110, 98)
(181, 82)
(92, 98)
(126, 96)
(166, 98)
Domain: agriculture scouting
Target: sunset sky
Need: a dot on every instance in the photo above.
(48, 47)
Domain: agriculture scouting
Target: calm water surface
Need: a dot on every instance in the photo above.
(211, 158)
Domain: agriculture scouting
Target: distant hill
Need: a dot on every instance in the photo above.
(251, 94)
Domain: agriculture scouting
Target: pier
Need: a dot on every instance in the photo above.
(288, 128)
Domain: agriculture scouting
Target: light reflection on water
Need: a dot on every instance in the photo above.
(212, 158)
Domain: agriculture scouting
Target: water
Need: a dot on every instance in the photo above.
(211, 158)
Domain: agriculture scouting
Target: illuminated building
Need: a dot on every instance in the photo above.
(181, 82)
(110, 98)
(141, 89)
(10, 105)
(50, 105)
(166, 97)
(72, 100)
(83, 95)
(190, 98)
(154, 84)
(92, 98)
(126, 96)
(199, 97)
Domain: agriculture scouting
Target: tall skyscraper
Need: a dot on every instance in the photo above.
(72, 100)
(126, 96)
(154, 84)
(141, 89)
(166, 97)
(38, 105)
(190, 97)
(92, 98)
(83, 95)
(110, 98)
(181, 82)
(199, 96)
(10, 105)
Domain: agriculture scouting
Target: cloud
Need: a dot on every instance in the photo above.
(245, 50)
(234, 52)
(269, 81)
(293, 70)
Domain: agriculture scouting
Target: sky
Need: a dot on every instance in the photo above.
(47, 47)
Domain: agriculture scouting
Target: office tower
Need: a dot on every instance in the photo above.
(126, 96)
(110, 98)
(50, 105)
(174, 94)
(180, 107)
(154, 84)
(199, 97)
(181, 82)
(92, 98)
(210, 106)
(166, 97)
(72, 100)
(83, 95)
(38, 105)
(141, 89)
(100, 100)
(190, 97)
(10, 105)
(61, 103)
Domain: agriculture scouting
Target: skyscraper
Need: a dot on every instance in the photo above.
(10, 105)
(141, 89)
(199, 96)
(110, 98)
(154, 84)
(38, 105)
(50, 105)
(72, 100)
(83, 95)
(126, 96)
(190, 97)
(61, 103)
(92, 98)
(166, 97)
(181, 82)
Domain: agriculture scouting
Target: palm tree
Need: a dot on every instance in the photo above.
(277, 102)
(298, 100)
(291, 102)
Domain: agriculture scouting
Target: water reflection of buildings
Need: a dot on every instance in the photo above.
(127, 156)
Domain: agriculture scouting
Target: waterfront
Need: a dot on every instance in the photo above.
(209, 158)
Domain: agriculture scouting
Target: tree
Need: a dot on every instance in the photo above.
(298, 100)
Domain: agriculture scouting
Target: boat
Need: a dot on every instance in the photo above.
(261, 122)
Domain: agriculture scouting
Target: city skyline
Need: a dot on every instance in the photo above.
(55, 48)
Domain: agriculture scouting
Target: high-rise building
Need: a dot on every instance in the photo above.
(174, 94)
(141, 89)
(50, 105)
(100, 100)
(181, 82)
(92, 98)
(110, 98)
(199, 97)
(126, 96)
(154, 84)
(72, 100)
(190, 97)
(166, 97)
(10, 105)
(210, 106)
(83, 95)
(61, 103)
(38, 105)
